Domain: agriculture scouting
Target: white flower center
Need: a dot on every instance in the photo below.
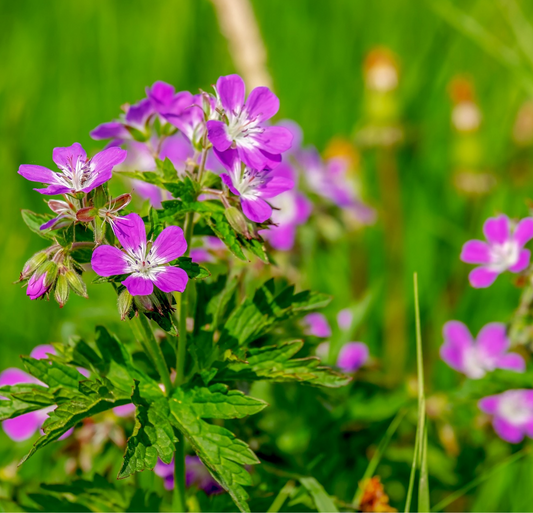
(473, 365)
(248, 181)
(503, 256)
(241, 126)
(77, 175)
(511, 408)
(143, 262)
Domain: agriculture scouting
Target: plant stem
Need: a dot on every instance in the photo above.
(152, 347)
(179, 477)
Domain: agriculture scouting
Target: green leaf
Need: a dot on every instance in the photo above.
(153, 435)
(219, 224)
(23, 398)
(53, 373)
(166, 169)
(34, 221)
(274, 363)
(222, 453)
(193, 270)
(257, 315)
(323, 501)
(150, 177)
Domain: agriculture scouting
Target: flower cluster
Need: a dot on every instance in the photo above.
(512, 411)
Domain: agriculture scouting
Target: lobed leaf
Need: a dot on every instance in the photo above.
(23, 398)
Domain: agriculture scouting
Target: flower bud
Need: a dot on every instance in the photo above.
(125, 300)
(100, 197)
(99, 230)
(32, 264)
(49, 270)
(237, 220)
(144, 303)
(76, 283)
(61, 290)
(86, 214)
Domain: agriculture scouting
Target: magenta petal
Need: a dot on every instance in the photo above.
(276, 186)
(23, 427)
(508, 431)
(109, 261)
(275, 139)
(153, 193)
(226, 179)
(98, 179)
(169, 245)
(69, 155)
(318, 325)
(489, 404)
(262, 104)
(130, 232)
(139, 113)
(229, 159)
(496, 229)
(523, 261)
(281, 237)
(161, 95)
(512, 361)
(524, 231)
(54, 189)
(171, 279)
(352, 356)
(218, 136)
(231, 91)
(107, 159)
(125, 410)
(52, 221)
(256, 209)
(457, 340)
(37, 173)
(41, 352)
(36, 287)
(138, 285)
(492, 339)
(111, 130)
(482, 277)
(14, 376)
(476, 252)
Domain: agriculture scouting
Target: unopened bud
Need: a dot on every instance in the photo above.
(125, 300)
(237, 220)
(100, 197)
(32, 264)
(76, 283)
(86, 214)
(61, 290)
(99, 230)
(49, 269)
(144, 303)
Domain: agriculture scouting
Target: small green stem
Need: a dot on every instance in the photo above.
(154, 351)
(179, 477)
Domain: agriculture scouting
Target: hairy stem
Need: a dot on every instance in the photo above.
(154, 351)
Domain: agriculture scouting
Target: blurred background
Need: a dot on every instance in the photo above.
(461, 147)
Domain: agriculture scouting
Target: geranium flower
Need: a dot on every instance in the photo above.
(196, 474)
(512, 414)
(77, 172)
(259, 146)
(475, 358)
(145, 264)
(317, 325)
(503, 251)
(292, 210)
(252, 186)
(25, 426)
(352, 356)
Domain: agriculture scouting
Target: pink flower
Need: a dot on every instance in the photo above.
(475, 358)
(352, 356)
(317, 325)
(503, 251)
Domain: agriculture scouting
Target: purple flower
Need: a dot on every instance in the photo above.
(144, 264)
(25, 426)
(259, 146)
(475, 358)
(126, 410)
(160, 95)
(503, 251)
(352, 356)
(345, 319)
(293, 209)
(66, 214)
(512, 414)
(77, 172)
(317, 325)
(37, 286)
(204, 254)
(252, 186)
(196, 474)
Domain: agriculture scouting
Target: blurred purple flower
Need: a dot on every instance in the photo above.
(504, 250)
(196, 474)
(345, 319)
(292, 209)
(77, 172)
(475, 358)
(317, 325)
(126, 410)
(252, 186)
(25, 426)
(352, 356)
(512, 413)
(146, 267)
(203, 254)
(258, 145)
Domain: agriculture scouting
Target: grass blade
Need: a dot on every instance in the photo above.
(323, 502)
(376, 457)
(282, 497)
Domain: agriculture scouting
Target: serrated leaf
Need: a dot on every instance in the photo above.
(53, 373)
(257, 315)
(35, 221)
(274, 363)
(193, 270)
(219, 224)
(150, 177)
(153, 435)
(19, 399)
(167, 169)
(222, 453)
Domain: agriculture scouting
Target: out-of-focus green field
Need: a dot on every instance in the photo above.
(67, 66)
